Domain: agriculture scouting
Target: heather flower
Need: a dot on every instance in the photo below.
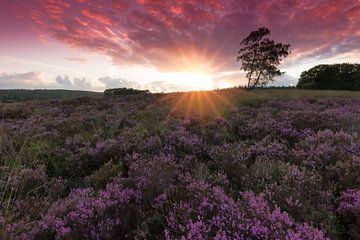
(87, 214)
(183, 141)
(267, 149)
(349, 201)
(305, 231)
(90, 169)
(349, 211)
(207, 212)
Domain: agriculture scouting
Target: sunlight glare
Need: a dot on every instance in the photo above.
(194, 80)
(223, 84)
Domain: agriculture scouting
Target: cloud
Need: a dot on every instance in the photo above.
(184, 35)
(74, 83)
(64, 81)
(284, 80)
(101, 18)
(76, 59)
(154, 86)
(118, 83)
(82, 83)
(21, 80)
(161, 86)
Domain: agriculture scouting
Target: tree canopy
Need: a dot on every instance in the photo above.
(344, 76)
(260, 56)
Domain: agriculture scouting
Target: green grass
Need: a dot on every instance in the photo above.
(204, 104)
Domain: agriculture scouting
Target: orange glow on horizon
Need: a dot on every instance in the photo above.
(200, 104)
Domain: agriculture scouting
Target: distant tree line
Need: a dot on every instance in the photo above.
(344, 76)
(124, 91)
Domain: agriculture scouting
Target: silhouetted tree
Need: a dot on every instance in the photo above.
(344, 76)
(260, 56)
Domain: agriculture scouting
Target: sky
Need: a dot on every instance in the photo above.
(164, 45)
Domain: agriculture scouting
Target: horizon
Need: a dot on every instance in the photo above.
(164, 46)
(176, 91)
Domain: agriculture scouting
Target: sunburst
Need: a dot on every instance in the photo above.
(198, 104)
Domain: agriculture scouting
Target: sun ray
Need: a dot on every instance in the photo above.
(222, 99)
(178, 102)
(189, 105)
(200, 104)
(211, 104)
(175, 102)
(219, 49)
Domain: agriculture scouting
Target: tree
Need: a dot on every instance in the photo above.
(343, 76)
(260, 56)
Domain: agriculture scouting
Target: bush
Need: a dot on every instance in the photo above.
(205, 212)
(124, 91)
(349, 210)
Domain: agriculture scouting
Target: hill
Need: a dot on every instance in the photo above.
(270, 163)
(21, 95)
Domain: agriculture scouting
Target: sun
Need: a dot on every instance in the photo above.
(193, 80)
(197, 81)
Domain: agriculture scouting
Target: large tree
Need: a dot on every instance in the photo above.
(260, 56)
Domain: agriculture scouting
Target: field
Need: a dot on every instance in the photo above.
(226, 164)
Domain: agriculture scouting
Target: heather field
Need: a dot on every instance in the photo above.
(227, 164)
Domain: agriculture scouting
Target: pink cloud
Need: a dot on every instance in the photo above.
(101, 18)
(180, 34)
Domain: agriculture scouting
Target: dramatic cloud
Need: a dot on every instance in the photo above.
(21, 80)
(77, 83)
(188, 34)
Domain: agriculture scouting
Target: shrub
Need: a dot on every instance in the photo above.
(205, 212)
(349, 210)
(108, 214)
(124, 91)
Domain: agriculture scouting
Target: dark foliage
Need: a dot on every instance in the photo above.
(124, 91)
(345, 76)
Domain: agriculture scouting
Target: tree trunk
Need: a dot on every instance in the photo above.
(256, 82)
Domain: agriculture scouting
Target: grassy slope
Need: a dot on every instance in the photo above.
(20, 95)
(219, 102)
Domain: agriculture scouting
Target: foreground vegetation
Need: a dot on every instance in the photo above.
(265, 164)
